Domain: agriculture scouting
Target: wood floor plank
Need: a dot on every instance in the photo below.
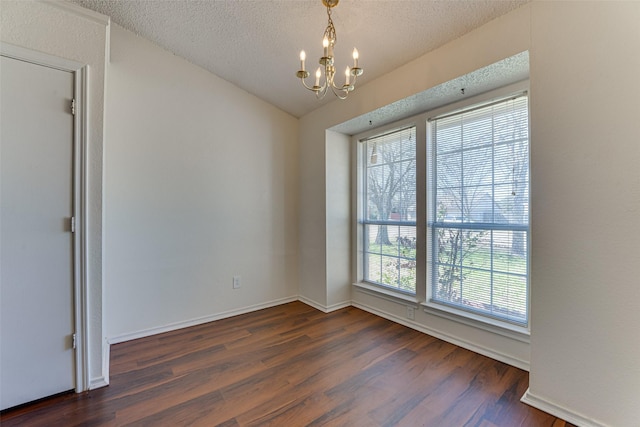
(292, 365)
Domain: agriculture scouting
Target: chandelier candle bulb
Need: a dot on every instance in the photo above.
(355, 58)
(347, 74)
(303, 56)
(325, 45)
(318, 74)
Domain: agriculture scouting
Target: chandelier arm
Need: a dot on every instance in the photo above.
(314, 88)
(305, 84)
(345, 88)
(337, 89)
(323, 91)
(335, 92)
(342, 88)
(353, 81)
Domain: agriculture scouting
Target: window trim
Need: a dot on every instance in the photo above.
(470, 318)
(423, 249)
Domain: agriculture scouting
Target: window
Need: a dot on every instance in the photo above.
(389, 217)
(478, 210)
(443, 211)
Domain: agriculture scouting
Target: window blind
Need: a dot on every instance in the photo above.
(389, 185)
(478, 213)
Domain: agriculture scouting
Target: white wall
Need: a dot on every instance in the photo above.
(585, 184)
(585, 115)
(200, 185)
(312, 215)
(59, 31)
(338, 217)
(325, 264)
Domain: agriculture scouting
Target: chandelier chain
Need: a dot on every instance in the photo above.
(330, 31)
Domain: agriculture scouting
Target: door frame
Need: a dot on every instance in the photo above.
(80, 161)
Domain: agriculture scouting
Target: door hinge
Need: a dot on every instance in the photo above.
(73, 341)
(73, 224)
(73, 107)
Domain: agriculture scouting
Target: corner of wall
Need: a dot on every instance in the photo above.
(558, 411)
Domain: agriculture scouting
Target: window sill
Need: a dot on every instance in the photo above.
(388, 294)
(495, 326)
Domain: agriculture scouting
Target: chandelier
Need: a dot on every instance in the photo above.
(327, 66)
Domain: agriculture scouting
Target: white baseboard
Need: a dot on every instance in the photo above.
(198, 321)
(323, 308)
(501, 357)
(338, 306)
(558, 411)
(95, 383)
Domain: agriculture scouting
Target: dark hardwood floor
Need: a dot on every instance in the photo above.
(292, 365)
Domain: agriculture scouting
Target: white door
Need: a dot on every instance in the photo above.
(36, 246)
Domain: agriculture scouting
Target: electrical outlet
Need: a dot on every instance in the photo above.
(411, 312)
(236, 282)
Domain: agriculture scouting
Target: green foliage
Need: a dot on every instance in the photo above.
(397, 264)
(466, 262)
(455, 246)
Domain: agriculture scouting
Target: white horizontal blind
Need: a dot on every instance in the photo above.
(479, 210)
(389, 223)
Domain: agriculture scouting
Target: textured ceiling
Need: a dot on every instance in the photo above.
(500, 74)
(255, 44)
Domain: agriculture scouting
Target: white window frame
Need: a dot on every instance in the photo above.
(423, 289)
